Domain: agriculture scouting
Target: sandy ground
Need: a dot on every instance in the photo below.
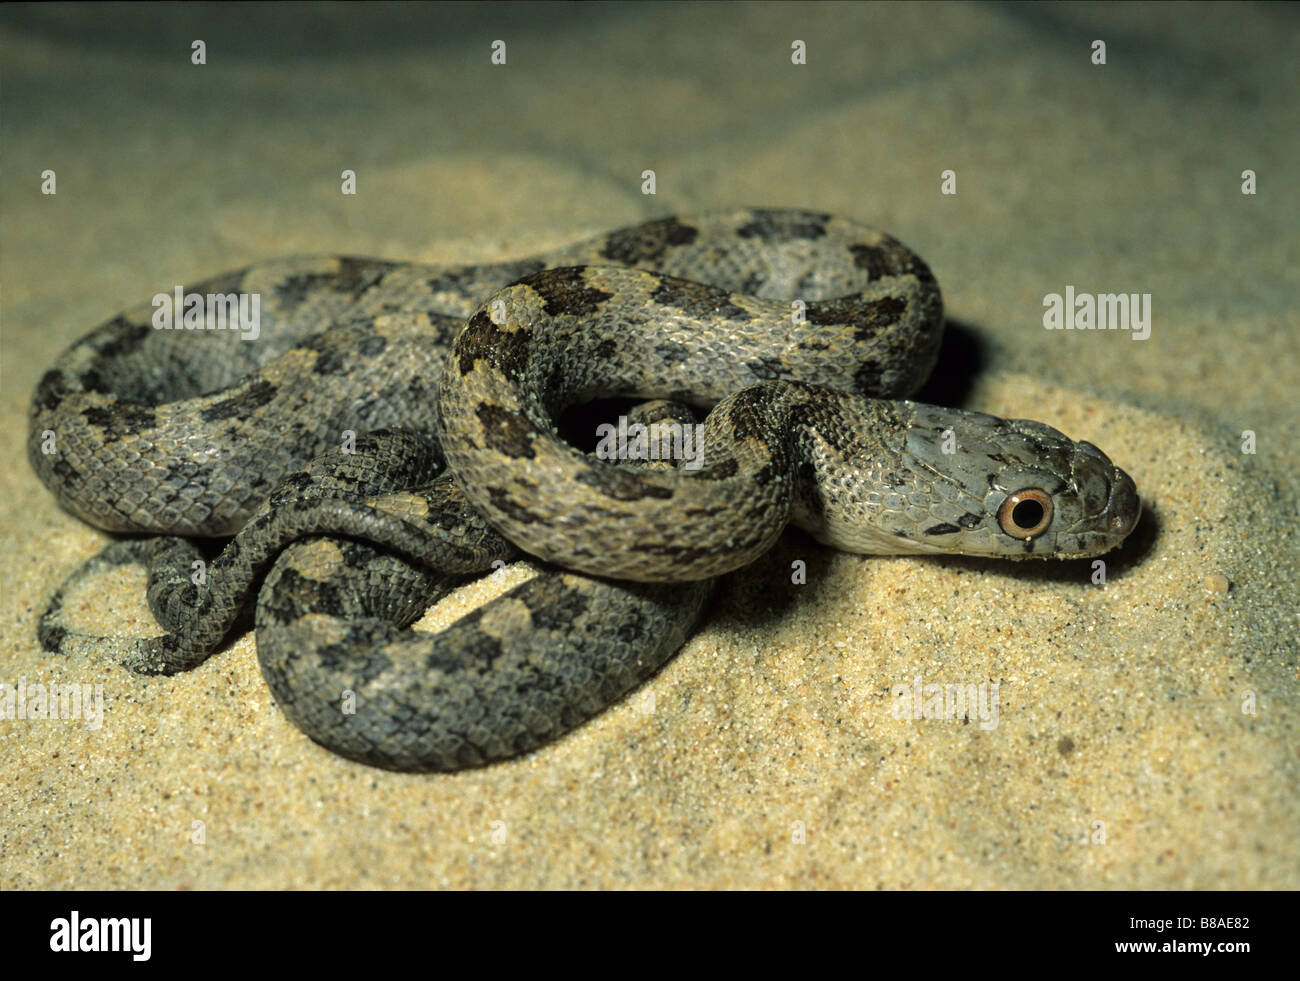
(1146, 728)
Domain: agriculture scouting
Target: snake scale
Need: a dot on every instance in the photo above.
(393, 431)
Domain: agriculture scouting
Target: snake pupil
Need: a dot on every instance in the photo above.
(1027, 514)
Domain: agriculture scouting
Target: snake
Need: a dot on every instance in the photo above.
(396, 429)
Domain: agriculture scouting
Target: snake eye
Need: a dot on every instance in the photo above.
(1025, 513)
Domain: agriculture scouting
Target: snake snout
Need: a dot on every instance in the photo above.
(1124, 506)
(1110, 503)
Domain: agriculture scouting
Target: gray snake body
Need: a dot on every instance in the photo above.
(454, 379)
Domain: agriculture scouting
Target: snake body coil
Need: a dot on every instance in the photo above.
(797, 329)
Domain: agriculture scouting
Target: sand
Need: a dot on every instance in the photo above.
(1145, 732)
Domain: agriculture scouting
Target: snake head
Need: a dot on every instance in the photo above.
(1023, 489)
(972, 484)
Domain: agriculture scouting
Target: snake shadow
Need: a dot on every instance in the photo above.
(963, 355)
(763, 595)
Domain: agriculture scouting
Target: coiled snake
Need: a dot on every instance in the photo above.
(393, 429)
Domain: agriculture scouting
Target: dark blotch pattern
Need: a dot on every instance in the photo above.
(504, 501)
(125, 338)
(767, 369)
(292, 486)
(671, 352)
(646, 245)
(868, 317)
(473, 647)
(457, 280)
(330, 357)
(874, 260)
(50, 391)
(889, 258)
(258, 394)
(784, 226)
(372, 346)
(747, 415)
(505, 431)
(122, 419)
(482, 340)
(354, 277)
(565, 291)
(697, 299)
(943, 529)
(557, 608)
(719, 471)
(621, 485)
(65, 472)
(869, 379)
(341, 658)
(296, 593)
